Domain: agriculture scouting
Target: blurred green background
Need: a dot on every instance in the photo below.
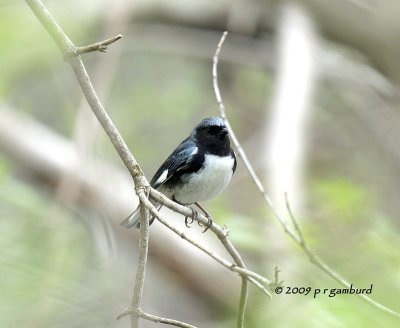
(63, 190)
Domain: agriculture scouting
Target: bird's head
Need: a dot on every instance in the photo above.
(212, 135)
(211, 127)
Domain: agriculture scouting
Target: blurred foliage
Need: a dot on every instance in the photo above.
(343, 200)
(50, 273)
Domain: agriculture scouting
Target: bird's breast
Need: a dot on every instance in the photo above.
(208, 182)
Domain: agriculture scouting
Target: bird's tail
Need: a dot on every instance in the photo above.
(133, 220)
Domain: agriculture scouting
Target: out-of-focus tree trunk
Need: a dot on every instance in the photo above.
(373, 27)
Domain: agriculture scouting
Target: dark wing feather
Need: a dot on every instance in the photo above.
(180, 159)
(234, 161)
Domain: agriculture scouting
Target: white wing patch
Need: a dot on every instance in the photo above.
(194, 152)
(162, 177)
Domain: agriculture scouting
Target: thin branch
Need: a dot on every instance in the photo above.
(276, 281)
(237, 144)
(100, 46)
(320, 264)
(156, 319)
(259, 286)
(166, 321)
(221, 233)
(142, 261)
(63, 42)
(243, 291)
(66, 46)
(85, 128)
(258, 280)
(294, 221)
(225, 242)
(295, 235)
(124, 313)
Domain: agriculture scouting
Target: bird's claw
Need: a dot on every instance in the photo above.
(208, 225)
(187, 223)
(189, 219)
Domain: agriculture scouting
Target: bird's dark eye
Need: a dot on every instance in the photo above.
(213, 129)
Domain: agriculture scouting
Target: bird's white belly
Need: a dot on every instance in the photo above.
(208, 182)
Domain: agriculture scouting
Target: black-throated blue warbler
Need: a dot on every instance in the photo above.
(199, 169)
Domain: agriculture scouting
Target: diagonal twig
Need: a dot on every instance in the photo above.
(237, 144)
(243, 293)
(66, 46)
(296, 234)
(156, 319)
(314, 259)
(221, 233)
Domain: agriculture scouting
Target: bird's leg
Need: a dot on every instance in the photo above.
(208, 216)
(194, 217)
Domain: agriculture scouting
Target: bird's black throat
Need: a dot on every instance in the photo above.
(214, 144)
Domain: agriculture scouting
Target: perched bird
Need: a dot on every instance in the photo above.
(199, 169)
